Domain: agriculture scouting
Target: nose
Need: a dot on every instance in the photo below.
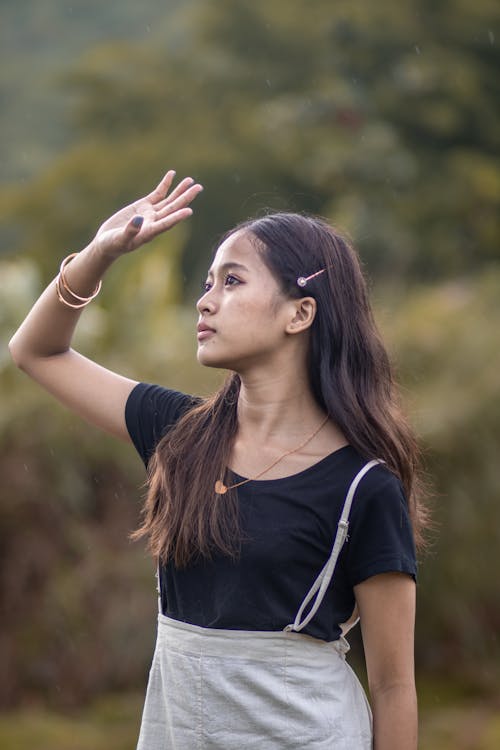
(206, 303)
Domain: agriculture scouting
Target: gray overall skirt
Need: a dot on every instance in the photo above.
(214, 689)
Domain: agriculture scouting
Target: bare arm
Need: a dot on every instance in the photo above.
(387, 609)
(41, 346)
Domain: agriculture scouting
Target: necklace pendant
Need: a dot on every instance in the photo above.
(220, 487)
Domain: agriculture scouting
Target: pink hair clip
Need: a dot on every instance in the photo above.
(302, 280)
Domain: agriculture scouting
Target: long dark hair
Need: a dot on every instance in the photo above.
(350, 376)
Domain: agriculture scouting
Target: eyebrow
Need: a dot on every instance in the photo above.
(227, 266)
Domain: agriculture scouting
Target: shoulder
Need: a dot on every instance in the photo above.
(380, 528)
(372, 485)
(379, 500)
(372, 479)
(151, 410)
(380, 481)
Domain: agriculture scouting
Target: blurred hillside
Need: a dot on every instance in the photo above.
(381, 117)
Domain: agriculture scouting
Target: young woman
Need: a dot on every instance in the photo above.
(280, 508)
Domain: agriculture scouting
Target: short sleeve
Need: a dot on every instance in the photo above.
(150, 412)
(380, 531)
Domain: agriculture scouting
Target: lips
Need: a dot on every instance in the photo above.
(204, 330)
(201, 327)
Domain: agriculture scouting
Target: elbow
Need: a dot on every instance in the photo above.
(18, 353)
(15, 352)
(26, 357)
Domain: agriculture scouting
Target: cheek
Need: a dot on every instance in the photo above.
(257, 323)
(259, 306)
(260, 330)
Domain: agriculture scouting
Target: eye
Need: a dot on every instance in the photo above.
(231, 280)
(206, 286)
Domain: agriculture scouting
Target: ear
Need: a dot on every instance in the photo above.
(303, 314)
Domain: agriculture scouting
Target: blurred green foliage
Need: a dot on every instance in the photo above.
(380, 116)
(108, 724)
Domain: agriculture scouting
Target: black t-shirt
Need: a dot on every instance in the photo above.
(288, 526)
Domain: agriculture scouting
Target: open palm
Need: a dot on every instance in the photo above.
(159, 211)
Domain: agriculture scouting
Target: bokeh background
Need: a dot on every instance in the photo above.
(381, 116)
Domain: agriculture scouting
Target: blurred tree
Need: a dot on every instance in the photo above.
(381, 117)
(446, 339)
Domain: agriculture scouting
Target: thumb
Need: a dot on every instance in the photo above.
(134, 226)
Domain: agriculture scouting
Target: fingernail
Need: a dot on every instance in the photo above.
(137, 221)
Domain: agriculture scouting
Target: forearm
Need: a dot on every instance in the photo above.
(395, 721)
(49, 326)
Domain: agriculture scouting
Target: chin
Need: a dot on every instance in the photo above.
(210, 359)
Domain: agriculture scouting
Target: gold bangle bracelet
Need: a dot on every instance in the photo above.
(65, 302)
(65, 284)
(83, 301)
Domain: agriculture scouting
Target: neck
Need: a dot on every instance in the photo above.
(273, 404)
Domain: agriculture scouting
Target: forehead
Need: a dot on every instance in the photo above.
(238, 249)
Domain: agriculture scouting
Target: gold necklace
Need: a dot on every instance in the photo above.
(221, 488)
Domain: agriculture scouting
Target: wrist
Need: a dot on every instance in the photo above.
(100, 256)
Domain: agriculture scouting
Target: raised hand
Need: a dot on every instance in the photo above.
(147, 217)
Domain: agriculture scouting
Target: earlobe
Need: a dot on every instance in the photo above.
(303, 316)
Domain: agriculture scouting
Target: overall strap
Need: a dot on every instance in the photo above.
(158, 589)
(322, 582)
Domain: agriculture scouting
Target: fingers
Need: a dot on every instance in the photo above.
(161, 190)
(183, 199)
(184, 185)
(138, 232)
(155, 215)
(159, 198)
(161, 225)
